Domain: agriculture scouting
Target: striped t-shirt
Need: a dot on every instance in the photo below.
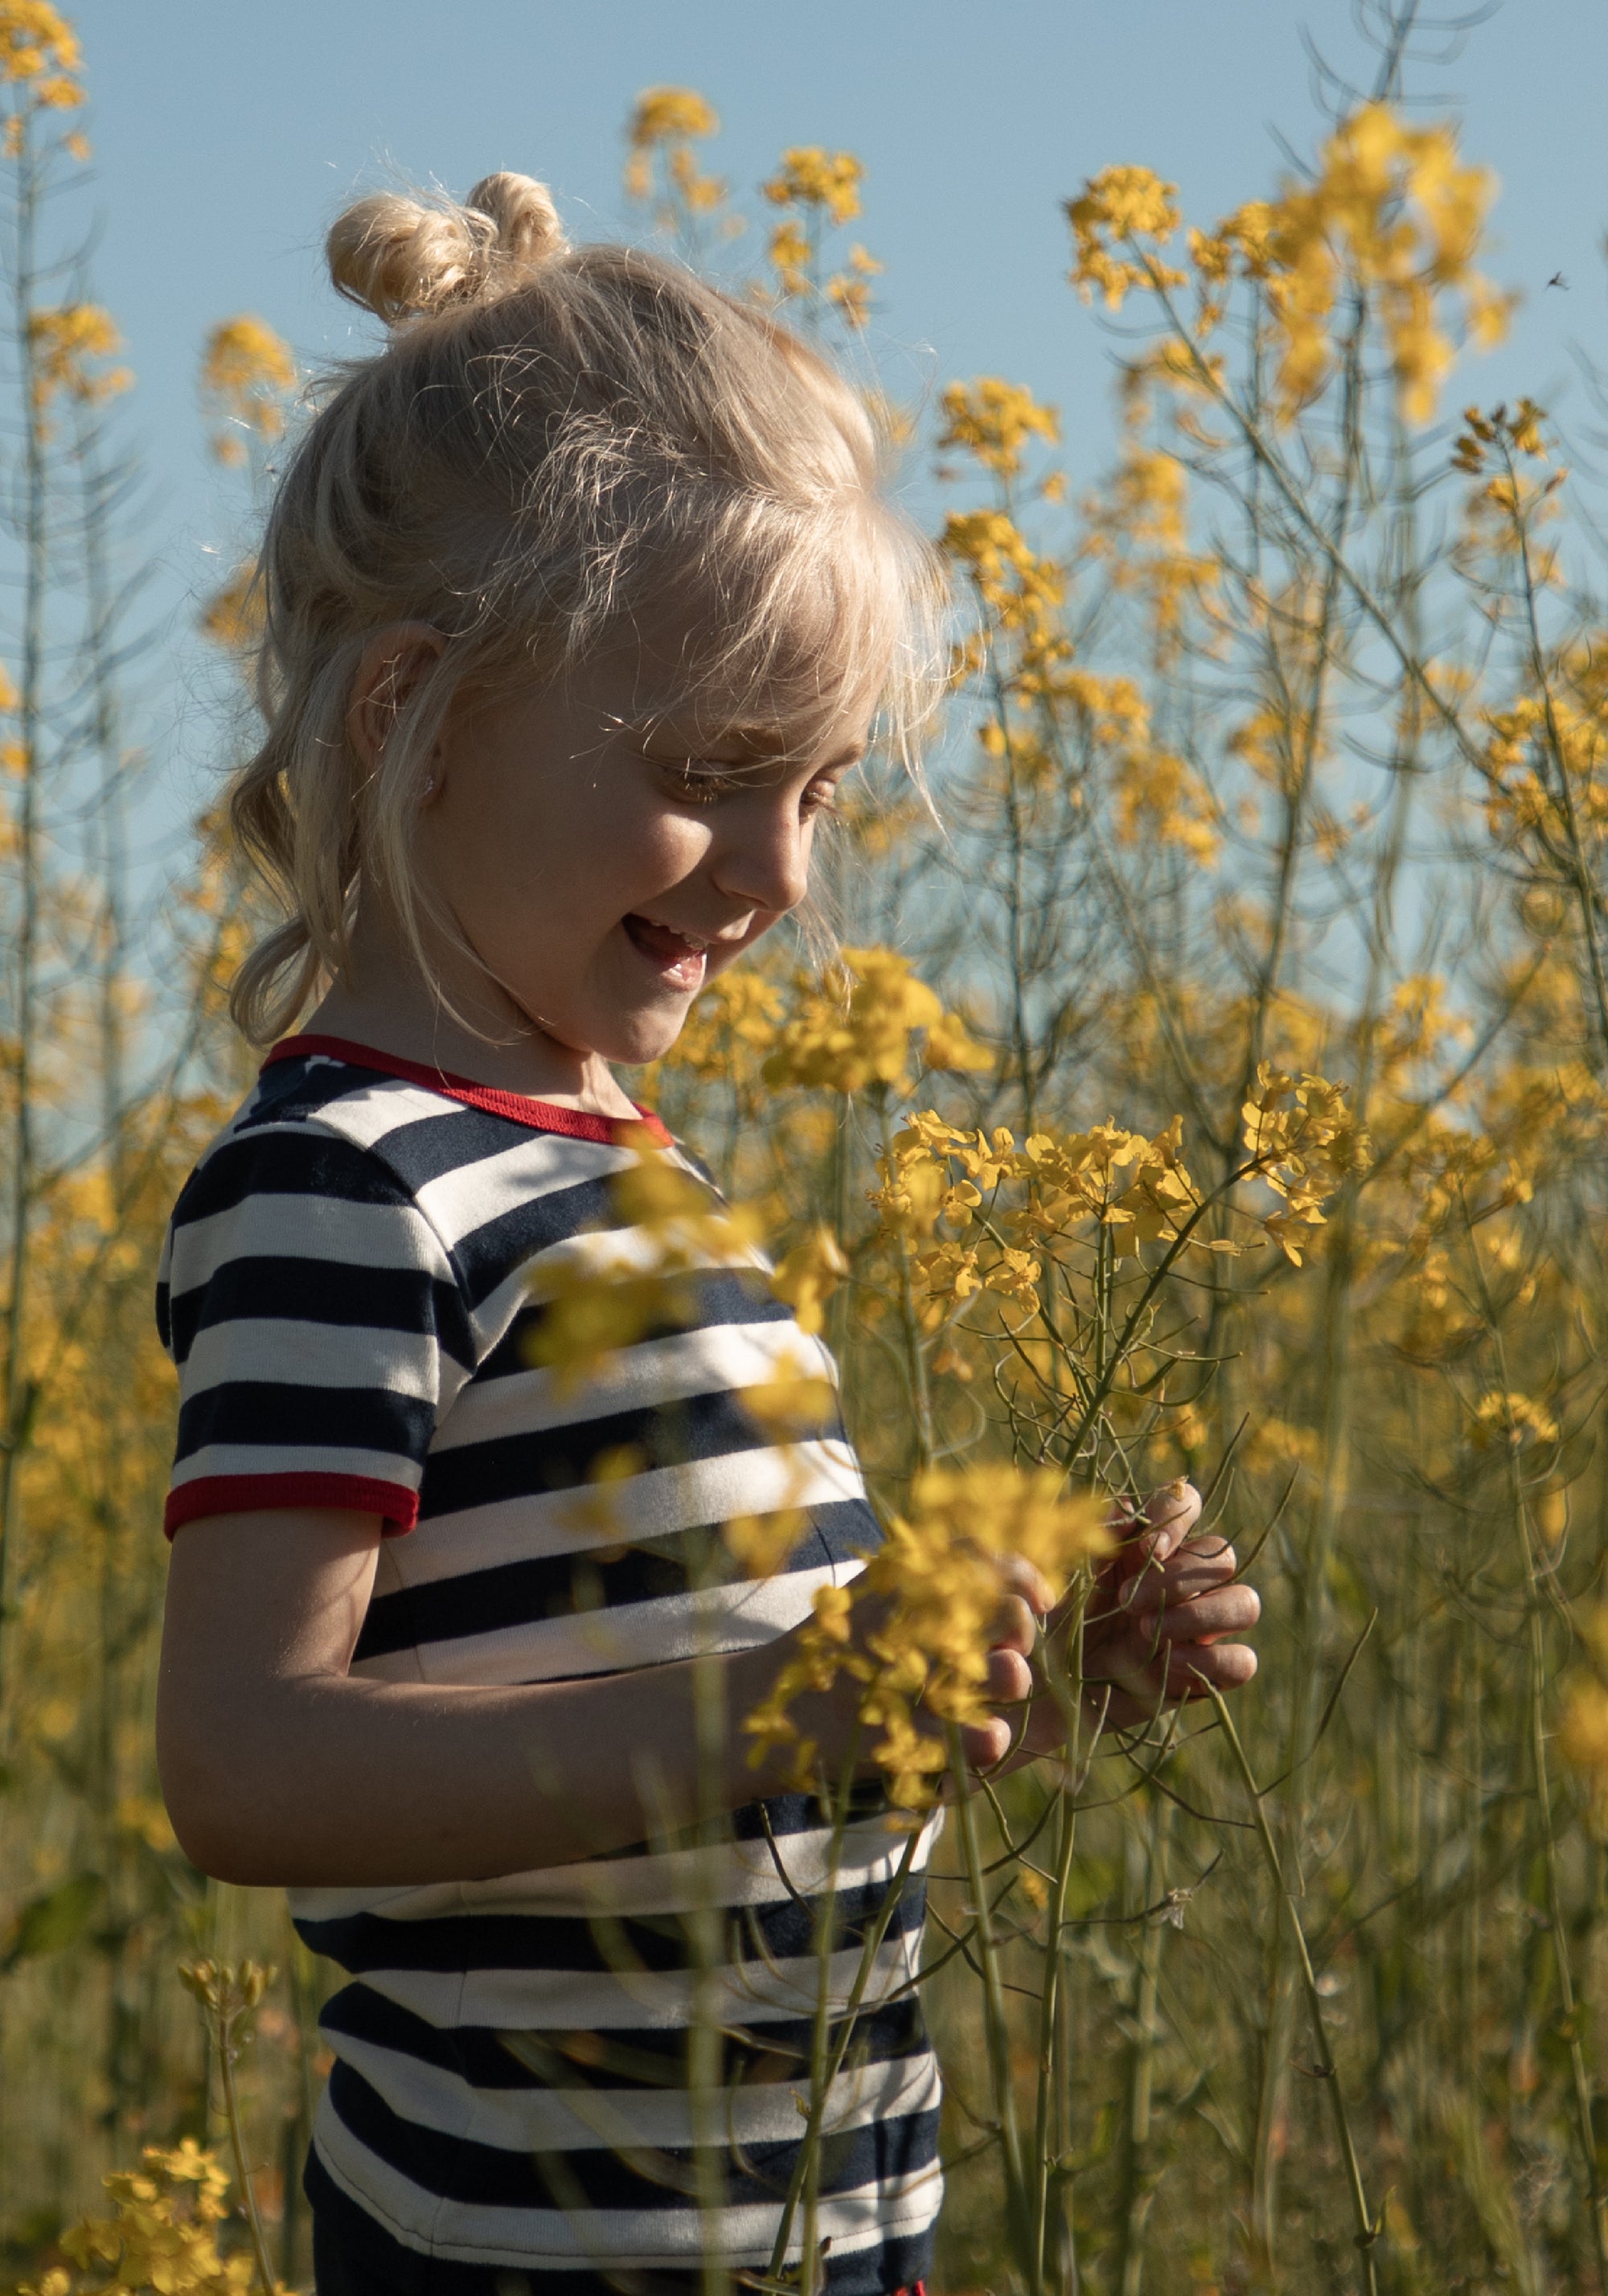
(349, 1291)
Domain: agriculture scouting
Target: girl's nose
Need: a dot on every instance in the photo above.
(762, 853)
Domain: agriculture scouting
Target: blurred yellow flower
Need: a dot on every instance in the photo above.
(247, 376)
(932, 1595)
(811, 176)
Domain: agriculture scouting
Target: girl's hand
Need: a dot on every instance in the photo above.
(1152, 1633)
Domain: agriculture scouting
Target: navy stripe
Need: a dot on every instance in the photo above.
(311, 1163)
(357, 2257)
(486, 2175)
(261, 1412)
(321, 1291)
(624, 2057)
(670, 1434)
(783, 1930)
(564, 1586)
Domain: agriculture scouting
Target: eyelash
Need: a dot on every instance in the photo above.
(689, 786)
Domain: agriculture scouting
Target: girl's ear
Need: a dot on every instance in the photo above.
(394, 664)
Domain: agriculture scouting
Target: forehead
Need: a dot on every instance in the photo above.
(808, 667)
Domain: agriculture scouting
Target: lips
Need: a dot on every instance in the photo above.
(678, 958)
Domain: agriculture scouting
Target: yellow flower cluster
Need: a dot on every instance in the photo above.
(162, 2238)
(1529, 746)
(855, 1027)
(811, 176)
(608, 1290)
(1393, 210)
(993, 420)
(1516, 433)
(1021, 592)
(246, 376)
(39, 53)
(63, 343)
(1506, 1418)
(670, 115)
(808, 1275)
(734, 1022)
(664, 123)
(1161, 801)
(1303, 1143)
(914, 1628)
(1134, 1190)
(1140, 524)
(824, 189)
(1119, 209)
(233, 616)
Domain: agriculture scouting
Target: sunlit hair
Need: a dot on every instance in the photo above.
(554, 442)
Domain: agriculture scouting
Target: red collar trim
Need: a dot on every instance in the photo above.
(540, 1115)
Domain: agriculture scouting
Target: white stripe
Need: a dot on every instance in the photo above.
(901, 2207)
(294, 1459)
(366, 1114)
(611, 1254)
(577, 2000)
(720, 1356)
(298, 1354)
(287, 1226)
(617, 2119)
(717, 1621)
(540, 1164)
(650, 1505)
(731, 1873)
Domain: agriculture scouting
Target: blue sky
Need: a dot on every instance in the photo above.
(227, 137)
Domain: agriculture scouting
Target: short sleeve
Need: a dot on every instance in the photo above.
(307, 1305)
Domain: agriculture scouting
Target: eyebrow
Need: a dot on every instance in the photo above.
(763, 742)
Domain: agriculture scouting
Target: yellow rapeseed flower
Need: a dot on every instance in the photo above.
(930, 1598)
(40, 52)
(811, 176)
(247, 375)
(993, 419)
(64, 343)
(856, 1028)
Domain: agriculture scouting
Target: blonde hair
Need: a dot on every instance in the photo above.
(552, 439)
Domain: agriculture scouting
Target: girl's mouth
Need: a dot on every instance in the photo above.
(677, 957)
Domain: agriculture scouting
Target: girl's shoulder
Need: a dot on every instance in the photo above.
(340, 1152)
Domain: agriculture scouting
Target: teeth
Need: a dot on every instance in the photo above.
(692, 940)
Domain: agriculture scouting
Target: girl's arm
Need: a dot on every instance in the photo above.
(282, 1768)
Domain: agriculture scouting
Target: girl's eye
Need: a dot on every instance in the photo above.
(692, 782)
(700, 780)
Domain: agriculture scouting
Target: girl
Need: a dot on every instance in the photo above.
(581, 602)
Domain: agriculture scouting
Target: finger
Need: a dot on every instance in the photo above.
(1155, 1530)
(984, 1744)
(1010, 1678)
(1021, 1578)
(1140, 1698)
(1227, 1666)
(1194, 1570)
(1225, 1611)
(1232, 1609)
(1015, 1627)
(1137, 1650)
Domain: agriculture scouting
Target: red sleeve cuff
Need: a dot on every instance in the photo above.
(243, 1494)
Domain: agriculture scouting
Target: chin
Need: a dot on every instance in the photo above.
(645, 1037)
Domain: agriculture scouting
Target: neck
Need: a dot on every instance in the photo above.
(383, 1001)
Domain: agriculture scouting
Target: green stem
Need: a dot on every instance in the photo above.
(1018, 2209)
(223, 2033)
(1369, 2227)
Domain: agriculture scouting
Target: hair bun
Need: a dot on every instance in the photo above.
(527, 229)
(401, 259)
